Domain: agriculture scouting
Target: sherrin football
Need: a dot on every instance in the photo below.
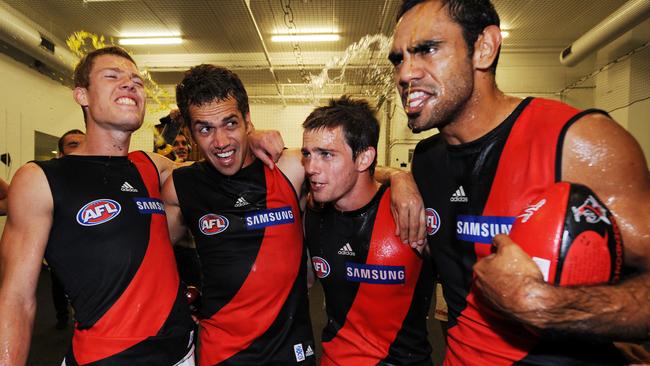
(571, 235)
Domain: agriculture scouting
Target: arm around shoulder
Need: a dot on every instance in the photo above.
(406, 205)
(290, 164)
(175, 222)
(21, 251)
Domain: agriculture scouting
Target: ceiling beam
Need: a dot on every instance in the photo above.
(266, 51)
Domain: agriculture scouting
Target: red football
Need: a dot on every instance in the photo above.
(571, 235)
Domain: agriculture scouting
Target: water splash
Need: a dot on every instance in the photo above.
(370, 52)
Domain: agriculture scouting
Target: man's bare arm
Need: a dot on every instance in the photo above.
(175, 222)
(266, 145)
(165, 166)
(406, 205)
(21, 252)
(290, 163)
(602, 155)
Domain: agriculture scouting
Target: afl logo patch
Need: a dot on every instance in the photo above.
(212, 224)
(321, 267)
(98, 212)
(433, 221)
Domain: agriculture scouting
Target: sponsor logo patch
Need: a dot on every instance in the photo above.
(481, 229)
(591, 211)
(98, 212)
(321, 267)
(148, 205)
(271, 217)
(369, 273)
(212, 224)
(299, 352)
(433, 221)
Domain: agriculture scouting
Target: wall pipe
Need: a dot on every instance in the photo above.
(622, 20)
(24, 36)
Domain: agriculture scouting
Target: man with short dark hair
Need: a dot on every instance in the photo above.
(97, 218)
(245, 218)
(377, 290)
(69, 142)
(494, 154)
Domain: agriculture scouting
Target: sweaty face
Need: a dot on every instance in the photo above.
(115, 95)
(180, 147)
(71, 143)
(328, 163)
(433, 71)
(220, 131)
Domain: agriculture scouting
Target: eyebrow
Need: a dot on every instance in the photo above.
(423, 46)
(209, 123)
(117, 69)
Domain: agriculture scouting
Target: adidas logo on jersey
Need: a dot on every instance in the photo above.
(309, 351)
(346, 250)
(459, 195)
(126, 187)
(241, 202)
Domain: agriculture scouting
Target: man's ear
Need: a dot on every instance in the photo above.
(365, 159)
(249, 125)
(486, 47)
(80, 96)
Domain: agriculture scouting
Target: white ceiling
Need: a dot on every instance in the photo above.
(224, 32)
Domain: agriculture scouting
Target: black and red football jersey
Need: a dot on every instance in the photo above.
(110, 247)
(248, 234)
(377, 289)
(473, 192)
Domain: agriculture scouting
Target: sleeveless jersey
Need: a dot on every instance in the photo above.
(248, 234)
(472, 193)
(377, 289)
(110, 248)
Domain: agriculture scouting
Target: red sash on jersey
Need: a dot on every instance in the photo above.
(378, 310)
(258, 302)
(527, 166)
(144, 306)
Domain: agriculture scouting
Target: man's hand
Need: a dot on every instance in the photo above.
(408, 210)
(509, 279)
(266, 145)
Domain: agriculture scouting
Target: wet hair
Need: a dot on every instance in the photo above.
(356, 118)
(205, 83)
(85, 65)
(472, 15)
(71, 132)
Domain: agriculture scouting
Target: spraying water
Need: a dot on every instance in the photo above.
(370, 53)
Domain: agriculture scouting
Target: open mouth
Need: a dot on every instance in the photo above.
(315, 186)
(126, 101)
(414, 101)
(225, 155)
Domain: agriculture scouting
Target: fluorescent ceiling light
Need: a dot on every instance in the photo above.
(150, 34)
(329, 30)
(505, 34)
(151, 40)
(306, 38)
